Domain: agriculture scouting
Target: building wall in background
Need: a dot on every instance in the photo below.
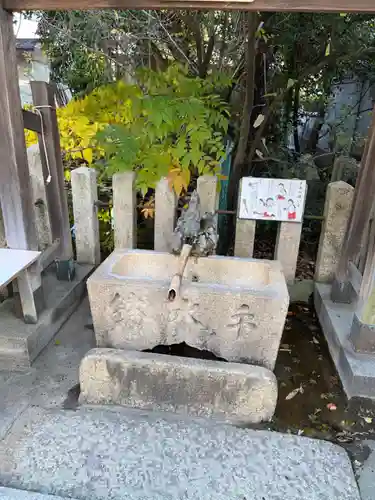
(32, 65)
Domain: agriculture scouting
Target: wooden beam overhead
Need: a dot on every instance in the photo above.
(249, 5)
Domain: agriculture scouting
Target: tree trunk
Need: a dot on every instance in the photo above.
(297, 146)
(245, 127)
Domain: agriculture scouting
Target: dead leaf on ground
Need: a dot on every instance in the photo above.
(344, 437)
(294, 393)
(333, 379)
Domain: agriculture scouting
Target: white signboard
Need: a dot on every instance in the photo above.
(272, 199)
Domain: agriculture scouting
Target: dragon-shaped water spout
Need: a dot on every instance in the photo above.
(195, 235)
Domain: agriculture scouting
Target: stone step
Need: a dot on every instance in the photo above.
(103, 454)
(12, 494)
(20, 343)
(356, 370)
(232, 392)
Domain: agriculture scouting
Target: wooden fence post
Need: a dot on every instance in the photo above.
(15, 185)
(86, 224)
(3, 241)
(125, 210)
(362, 333)
(339, 199)
(165, 215)
(42, 216)
(358, 221)
(49, 146)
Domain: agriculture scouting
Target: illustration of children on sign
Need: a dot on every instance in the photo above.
(292, 211)
(269, 207)
(282, 192)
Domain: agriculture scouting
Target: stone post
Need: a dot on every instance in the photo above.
(42, 217)
(338, 204)
(207, 191)
(344, 168)
(245, 234)
(245, 238)
(86, 224)
(165, 215)
(287, 246)
(125, 210)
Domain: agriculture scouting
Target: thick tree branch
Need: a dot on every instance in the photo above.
(207, 56)
(333, 58)
(252, 20)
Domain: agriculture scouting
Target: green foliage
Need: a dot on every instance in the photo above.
(76, 62)
(175, 126)
(167, 125)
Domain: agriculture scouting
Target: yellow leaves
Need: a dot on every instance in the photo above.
(87, 155)
(30, 137)
(179, 179)
(148, 210)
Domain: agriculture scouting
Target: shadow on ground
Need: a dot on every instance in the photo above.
(311, 400)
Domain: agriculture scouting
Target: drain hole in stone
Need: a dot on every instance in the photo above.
(185, 351)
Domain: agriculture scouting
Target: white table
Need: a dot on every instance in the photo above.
(15, 264)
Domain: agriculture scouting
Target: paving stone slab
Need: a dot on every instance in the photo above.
(127, 454)
(12, 494)
(232, 392)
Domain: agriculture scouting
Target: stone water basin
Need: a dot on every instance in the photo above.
(233, 307)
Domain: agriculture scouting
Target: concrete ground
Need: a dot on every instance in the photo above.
(113, 454)
(99, 454)
(53, 374)
(366, 474)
